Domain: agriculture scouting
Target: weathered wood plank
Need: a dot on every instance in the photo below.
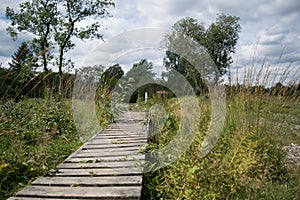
(126, 130)
(109, 146)
(126, 192)
(89, 181)
(30, 198)
(99, 172)
(107, 159)
(124, 126)
(100, 165)
(120, 136)
(130, 148)
(97, 142)
(120, 126)
(90, 154)
(118, 141)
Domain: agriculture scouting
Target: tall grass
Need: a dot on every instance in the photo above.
(248, 161)
(36, 131)
(36, 135)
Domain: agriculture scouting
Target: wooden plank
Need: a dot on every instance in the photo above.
(141, 142)
(135, 133)
(120, 126)
(113, 152)
(128, 130)
(99, 172)
(120, 135)
(105, 154)
(116, 140)
(90, 181)
(100, 165)
(31, 198)
(130, 148)
(126, 192)
(124, 127)
(109, 137)
(109, 146)
(107, 159)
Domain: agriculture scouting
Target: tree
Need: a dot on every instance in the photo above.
(53, 23)
(141, 73)
(76, 11)
(187, 27)
(110, 77)
(23, 61)
(219, 41)
(21, 72)
(37, 17)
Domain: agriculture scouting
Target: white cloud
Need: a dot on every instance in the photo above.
(281, 7)
(269, 28)
(124, 45)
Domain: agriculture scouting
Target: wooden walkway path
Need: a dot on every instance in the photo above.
(105, 167)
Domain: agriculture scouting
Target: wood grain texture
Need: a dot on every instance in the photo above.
(129, 192)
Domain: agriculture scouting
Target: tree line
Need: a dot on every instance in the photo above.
(55, 28)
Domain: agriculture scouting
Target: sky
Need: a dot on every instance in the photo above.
(270, 29)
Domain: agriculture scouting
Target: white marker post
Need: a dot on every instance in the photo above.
(146, 97)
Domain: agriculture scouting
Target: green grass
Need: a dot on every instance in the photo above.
(247, 161)
(36, 135)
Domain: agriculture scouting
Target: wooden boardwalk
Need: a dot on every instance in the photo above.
(105, 167)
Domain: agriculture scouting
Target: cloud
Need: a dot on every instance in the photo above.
(8, 3)
(269, 28)
(279, 7)
(123, 46)
(280, 41)
(8, 46)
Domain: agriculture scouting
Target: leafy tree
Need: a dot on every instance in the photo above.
(141, 73)
(53, 23)
(110, 77)
(219, 41)
(181, 30)
(74, 12)
(37, 17)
